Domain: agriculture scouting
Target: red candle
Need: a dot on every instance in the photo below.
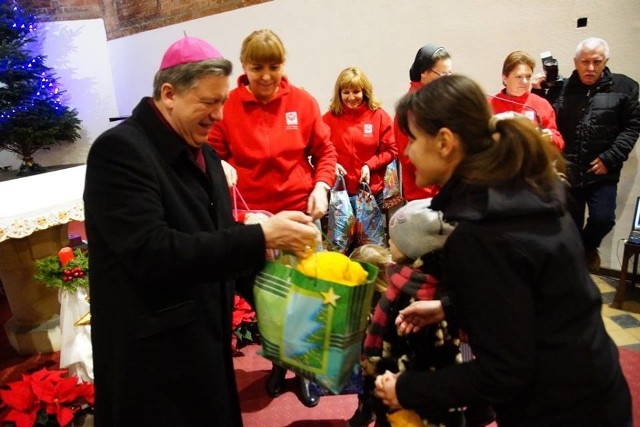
(65, 255)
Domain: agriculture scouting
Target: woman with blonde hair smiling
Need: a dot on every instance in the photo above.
(269, 130)
(272, 133)
(361, 131)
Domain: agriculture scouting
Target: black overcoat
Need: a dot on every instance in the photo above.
(164, 257)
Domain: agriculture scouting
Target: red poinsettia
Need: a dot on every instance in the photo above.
(243, 316)
(45, 393)
(21, 405)
(242, 312)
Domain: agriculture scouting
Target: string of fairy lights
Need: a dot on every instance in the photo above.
(32, 70)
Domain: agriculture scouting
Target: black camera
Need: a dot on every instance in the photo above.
(550, 68)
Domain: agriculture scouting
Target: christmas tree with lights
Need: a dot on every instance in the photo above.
(32, 115)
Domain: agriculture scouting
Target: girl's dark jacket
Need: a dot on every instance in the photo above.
(519, 286)
(164, 255)
(602, 120)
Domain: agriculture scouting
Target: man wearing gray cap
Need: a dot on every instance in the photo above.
(167, 255)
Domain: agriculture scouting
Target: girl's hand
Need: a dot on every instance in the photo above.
(386, 389)
(418, 315)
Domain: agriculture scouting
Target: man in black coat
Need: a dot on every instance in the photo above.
(166, 255)
(598, 116)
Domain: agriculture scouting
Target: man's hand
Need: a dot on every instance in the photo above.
(230, 173)
(598, 167)
(290, 231)
(418, 315)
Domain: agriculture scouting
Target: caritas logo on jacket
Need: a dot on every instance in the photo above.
(292, 119)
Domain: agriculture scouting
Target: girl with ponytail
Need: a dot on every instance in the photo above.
(515, 269)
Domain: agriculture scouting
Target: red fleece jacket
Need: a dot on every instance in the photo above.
(280, 149)
(538, 105)
(363, 137)
(410, 190)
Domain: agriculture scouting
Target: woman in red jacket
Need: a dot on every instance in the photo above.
(272, 133)
(516, 96)
(270, 130)
(432, 61)
(361, 131)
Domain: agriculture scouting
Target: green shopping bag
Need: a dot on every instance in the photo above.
(312, 326)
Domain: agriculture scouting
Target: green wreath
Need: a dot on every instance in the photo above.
(74, 275)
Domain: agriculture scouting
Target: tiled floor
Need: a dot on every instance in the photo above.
(623, 325)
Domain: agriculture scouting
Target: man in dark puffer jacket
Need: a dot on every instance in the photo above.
(598, 116)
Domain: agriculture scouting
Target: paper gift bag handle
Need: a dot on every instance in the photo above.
(236, 195)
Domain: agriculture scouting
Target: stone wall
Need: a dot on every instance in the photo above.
(126, 17)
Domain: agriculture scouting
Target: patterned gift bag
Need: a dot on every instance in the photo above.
(369, 224)
(392, 196)
(311, 326)
(341, 219)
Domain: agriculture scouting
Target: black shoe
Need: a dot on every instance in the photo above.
(479, 415)
(275, 382)
(308, 397)
(593, 259)
(361, 418)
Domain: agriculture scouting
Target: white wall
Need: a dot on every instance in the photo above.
(379, 36)
(382, 36)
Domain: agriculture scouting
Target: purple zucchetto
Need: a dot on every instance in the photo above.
(186, 50)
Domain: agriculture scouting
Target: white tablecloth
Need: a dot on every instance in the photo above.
(41, 201)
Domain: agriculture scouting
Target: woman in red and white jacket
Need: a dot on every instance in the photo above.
(516, 96)
(361, 131)
(272, 133)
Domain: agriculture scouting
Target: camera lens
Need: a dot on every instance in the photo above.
(550, 66)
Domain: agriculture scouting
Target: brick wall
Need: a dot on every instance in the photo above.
(127, 17)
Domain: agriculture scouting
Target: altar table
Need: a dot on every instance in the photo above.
(34, 215)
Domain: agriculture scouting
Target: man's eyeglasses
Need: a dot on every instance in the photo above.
(446, 73)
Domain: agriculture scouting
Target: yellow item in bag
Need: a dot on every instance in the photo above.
(405, 418)
(334, 267)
